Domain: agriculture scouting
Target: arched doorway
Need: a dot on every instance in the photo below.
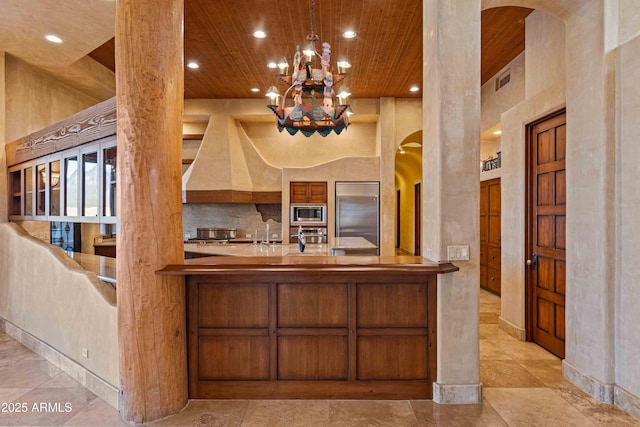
(408, 184)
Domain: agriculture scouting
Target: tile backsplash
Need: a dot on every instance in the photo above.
(246, 218)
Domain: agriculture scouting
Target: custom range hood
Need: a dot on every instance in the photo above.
(228, 169)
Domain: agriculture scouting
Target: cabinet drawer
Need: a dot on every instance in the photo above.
(493, 280)
(493, 257)
(483, 254)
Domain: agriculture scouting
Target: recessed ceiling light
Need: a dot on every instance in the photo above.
(53, 39)
(498, 132)
(272, 65)
(349, 34)
(193, 65)
(259, 34)
(414, 88)
(255, 89)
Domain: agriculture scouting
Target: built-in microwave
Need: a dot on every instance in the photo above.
(308, 214)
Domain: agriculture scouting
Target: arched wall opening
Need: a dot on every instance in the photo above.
(408, 174)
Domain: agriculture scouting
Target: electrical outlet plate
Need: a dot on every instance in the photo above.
(458, 253)
(85, 352)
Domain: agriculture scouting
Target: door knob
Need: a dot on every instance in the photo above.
(533, 262)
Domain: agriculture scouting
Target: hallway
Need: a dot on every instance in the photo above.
(522, 386)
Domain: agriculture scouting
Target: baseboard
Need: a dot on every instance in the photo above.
(88, 379)
(626, 401)
(511, 329)
(594, 388)
(450, 394)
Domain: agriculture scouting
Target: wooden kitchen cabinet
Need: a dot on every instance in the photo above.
(490, 235)
(308, 192)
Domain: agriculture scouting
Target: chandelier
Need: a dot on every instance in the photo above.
(316, 108)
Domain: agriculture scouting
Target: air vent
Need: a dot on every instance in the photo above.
(503, 79)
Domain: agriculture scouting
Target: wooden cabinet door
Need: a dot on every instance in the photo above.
(493, 187)
(317, 192)
(298, 192)
(546, 234)
(484, 213)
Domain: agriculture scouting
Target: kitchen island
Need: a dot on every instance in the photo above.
(294, 326)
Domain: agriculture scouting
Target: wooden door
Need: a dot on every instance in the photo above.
(490, 236)
(416, 221)
(546, 271)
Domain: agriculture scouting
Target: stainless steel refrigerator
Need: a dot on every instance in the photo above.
(358, 210)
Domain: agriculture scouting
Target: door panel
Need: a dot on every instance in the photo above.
(546, 237)
(490, 235)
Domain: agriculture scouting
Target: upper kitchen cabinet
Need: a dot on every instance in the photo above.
(308, 192)
(66, 171)
(77, 185)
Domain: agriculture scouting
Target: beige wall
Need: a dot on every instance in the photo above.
(544, 51)
(36, 99)
(627, 296)
(629, 20)
(43, 292)
(494, 103)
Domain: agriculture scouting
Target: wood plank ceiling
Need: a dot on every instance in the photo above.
(386, 54)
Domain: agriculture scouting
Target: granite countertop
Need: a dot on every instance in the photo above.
(285, 249)
(105, 267)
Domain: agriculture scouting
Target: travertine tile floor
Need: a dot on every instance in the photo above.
(523, 386)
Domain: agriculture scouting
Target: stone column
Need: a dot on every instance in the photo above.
(590, 230)
(151, 308)
(451, 189)
(387, 175)
(4, 195)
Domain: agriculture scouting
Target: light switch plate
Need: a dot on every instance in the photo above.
(458, 253)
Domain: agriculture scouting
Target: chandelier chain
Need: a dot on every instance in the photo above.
(313, 4)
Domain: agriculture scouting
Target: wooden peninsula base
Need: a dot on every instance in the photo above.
(311, 327)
